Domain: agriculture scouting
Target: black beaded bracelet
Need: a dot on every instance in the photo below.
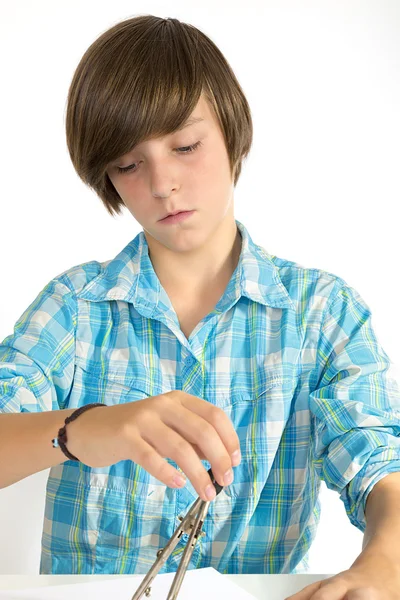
(61, 440)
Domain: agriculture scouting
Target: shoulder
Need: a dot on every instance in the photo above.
(75, 278)
(303, 281)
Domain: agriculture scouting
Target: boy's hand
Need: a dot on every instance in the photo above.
(176, 425)
(376, 577)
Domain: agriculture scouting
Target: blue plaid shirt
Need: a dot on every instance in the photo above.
(289, 353)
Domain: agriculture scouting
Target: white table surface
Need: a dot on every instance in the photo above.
(271, 587)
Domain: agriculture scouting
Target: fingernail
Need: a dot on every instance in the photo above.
(179, 480)
(236, 458)
(210, 491)
(228, 477)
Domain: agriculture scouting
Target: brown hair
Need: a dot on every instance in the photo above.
(142, 78)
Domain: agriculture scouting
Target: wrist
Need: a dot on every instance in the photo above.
(71, 433)
(377, 554)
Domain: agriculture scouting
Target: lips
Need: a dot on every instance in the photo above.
(178, 217)
(177, 212)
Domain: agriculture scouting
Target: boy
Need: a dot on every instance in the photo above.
(200, 344)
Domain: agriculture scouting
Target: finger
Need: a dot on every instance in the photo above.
(218, 419)
(199, 452)
(197, 430)
(363, 594)
(306, 592)
(168, 442)
(332, 589)
(146, 456)
(335, 589)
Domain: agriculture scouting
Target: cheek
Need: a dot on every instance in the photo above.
(216, 164)
(207, 173)
(129, 193)
(120, 189)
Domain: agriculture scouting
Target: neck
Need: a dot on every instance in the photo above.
(197, 271)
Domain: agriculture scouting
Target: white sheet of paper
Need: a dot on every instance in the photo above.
(197, 584)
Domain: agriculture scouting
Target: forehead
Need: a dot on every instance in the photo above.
(191, 121)
(202, 114)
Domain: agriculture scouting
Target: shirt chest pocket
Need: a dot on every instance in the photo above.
(259, 420)
(109, 387)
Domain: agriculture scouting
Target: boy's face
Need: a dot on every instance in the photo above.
(164, 179)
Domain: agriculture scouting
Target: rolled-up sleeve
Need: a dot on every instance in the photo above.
(37, 359)
(355, 404)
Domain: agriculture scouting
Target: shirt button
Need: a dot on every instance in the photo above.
(189, 361)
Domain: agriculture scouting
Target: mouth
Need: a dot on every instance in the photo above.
(176, 212)
(177, 216)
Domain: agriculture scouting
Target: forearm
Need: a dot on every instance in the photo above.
(25, 443)
(382, 515)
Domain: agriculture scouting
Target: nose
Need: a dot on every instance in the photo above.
(161, 191)
(162, 182)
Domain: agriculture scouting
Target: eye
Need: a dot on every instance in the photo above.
(182, 150)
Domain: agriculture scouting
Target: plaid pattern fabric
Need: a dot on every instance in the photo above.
(289, 353)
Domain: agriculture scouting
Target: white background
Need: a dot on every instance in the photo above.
(320, 187)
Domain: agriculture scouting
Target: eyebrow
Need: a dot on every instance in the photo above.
(190, 121)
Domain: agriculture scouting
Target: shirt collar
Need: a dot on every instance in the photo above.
(130, 277)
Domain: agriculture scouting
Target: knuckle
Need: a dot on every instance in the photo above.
(153, 403)
(166, 403)
(179, 447)
(218, 417)
(164, 472)
(146, 456)
(171, 396)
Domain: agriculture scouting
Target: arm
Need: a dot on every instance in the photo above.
(25, 444)
(355, 404)
(382, 514)
(376, 571)
(356, 418)
(36, 374)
